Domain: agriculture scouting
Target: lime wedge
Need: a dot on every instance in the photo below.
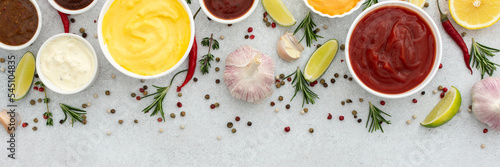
(278, 11)
(25, 71)
(419, 3)
(445, 110)
(320, 60)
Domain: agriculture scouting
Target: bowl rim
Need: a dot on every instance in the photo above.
(437, 59)
(112, 61)
(35, 36)
(47, 82)
(54, 4)
(358, 5)
(232, 21)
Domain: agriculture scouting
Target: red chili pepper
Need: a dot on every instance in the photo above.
(450, 30)
(65, 21)
(193, 56)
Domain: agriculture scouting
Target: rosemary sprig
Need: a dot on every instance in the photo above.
(46, 100)
(308, 25)
(375, 119)
(159, 97)
(205, 61)
(369, 3)
(301, 84)
(480, 60)
(75, 114)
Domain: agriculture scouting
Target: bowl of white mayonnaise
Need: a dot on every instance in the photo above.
(67, 63)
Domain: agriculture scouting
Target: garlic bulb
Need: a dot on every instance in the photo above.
(486, 101)
(289, 48)
(249, 74)
(5, 120)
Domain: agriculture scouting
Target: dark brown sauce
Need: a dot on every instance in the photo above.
(74, 4)
(228, 9)
(18, 21)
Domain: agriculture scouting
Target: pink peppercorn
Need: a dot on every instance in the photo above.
(273, 25)
(442, 95)
(440, 65)
(40, 89)
(141, 90)
(289, 79)
(414, 100)
(159, 119)
(138, 98)
(36, 88)
(252, 36)
(179, 104)
(382, 102)
(311, 84)
(237, 118)
(341, 118)
(250, 29)
(265, 14)
(445, 89)
(485, 130)
(25, 124)
(212, 106)
(329, 116)
(287, 129)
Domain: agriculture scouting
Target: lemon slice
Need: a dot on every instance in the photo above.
(25, 71)
(320, 60)
(278, 11)
(445, 110)
(419, 3)
(475, 14)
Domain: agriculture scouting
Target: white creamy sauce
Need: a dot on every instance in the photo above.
(67, 63)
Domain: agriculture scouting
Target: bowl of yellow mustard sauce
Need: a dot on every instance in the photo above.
(146, 39)
(334, 8)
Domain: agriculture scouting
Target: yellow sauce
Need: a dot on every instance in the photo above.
(146, 37)
(333, 7)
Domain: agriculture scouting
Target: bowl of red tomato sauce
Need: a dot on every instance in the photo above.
(393, 49)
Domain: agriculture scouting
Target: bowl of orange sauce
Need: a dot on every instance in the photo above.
(334, 8)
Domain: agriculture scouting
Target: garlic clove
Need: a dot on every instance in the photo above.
(486, 101)
(249, 74)
(289, 48)
(5, 120)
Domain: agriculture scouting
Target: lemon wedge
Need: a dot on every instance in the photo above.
(278, 11)
(419, 3)
(25, 71)
(475, 14)
(320, 60)
(445, 110)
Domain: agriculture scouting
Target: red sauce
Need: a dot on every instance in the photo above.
(228, 9)
(392, 50)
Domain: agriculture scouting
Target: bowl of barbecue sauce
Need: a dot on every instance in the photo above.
(228, 11)
(72, 6)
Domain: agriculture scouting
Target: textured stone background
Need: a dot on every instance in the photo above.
(334, 142)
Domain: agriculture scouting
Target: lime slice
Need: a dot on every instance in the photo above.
(419, 3)
(445, 110)
(25, 71)
(320, 60)
(278, 11)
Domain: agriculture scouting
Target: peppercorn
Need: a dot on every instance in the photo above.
(341, 118)
(172, 115)
(120, 121)
(280, 98)
(222, 37)
(318, 46)
(382, 102)
(72, 20)
(229, 125)
(249, 123)
(212, 106)
(325, 85)
(349, 101)
(136, 121)
(336, 75)
(265, 19)
(217, 81)
(342, 102)
(463, 34)
(359, 120)
(233, 130)
(422, 93)
(311, 130)
(160, 119)
(143, 80)
(355, 116)
(217, 59)
(287, 106)
(345, 76)
(84, 35)
(217, 104)
(209, 19)
(361, 100)
(82, 30)
(332, 80)
(32, 102)
(287, 129)
(113, 111)
(306, 110)
(183, 114)
(35, 120)
(440, 87)
(354, 112)
(84, 122)
(272, 103)
(426, 4)
(268, 24)
(229, 25)
(237, 118)
(195, 79)
(342, 47)
(282, 76)
(179, 104)
(322, 81)
(207, 96)
(246, 36)
(107, 92)
(278, 85)
(84, 105)
(282, 82)
(217, 69)
(34, 128)
(350, 78)
(470, 107)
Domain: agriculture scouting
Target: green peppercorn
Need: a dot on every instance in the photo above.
(282, 82)
(179, 94)
(217, 104)
(282, 76)
(343, 102)
(207, 96)
(233, 130)
(349, 101)
(35, 120)
(107, 92)
(426, 4)
(217, 69)
(278, 85)
(172, 115)
(84, 105)
(280, 98)
(311, 130)
(306, 110)
(361, 100)
(84, 122)
(34, 128)
(82, 30)
(229, 125)
(39, 100)
(183, 113)
(342, 47)
(145, 93)
(354, 112)
(120, 121)
(322, 81)
(265, 19)
(463, 34)
(136, 121)
(217, 59)
(268, 24)
(32, 102)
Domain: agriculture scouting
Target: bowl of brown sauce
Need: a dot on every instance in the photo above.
(72, 6)
(20, 23)
(228, 11)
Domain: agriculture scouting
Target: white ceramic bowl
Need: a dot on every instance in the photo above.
(47, 82)
(19, 47)
(108, 56)
(434, 30)
(232, 21)
(335, 16)
(69, 11)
